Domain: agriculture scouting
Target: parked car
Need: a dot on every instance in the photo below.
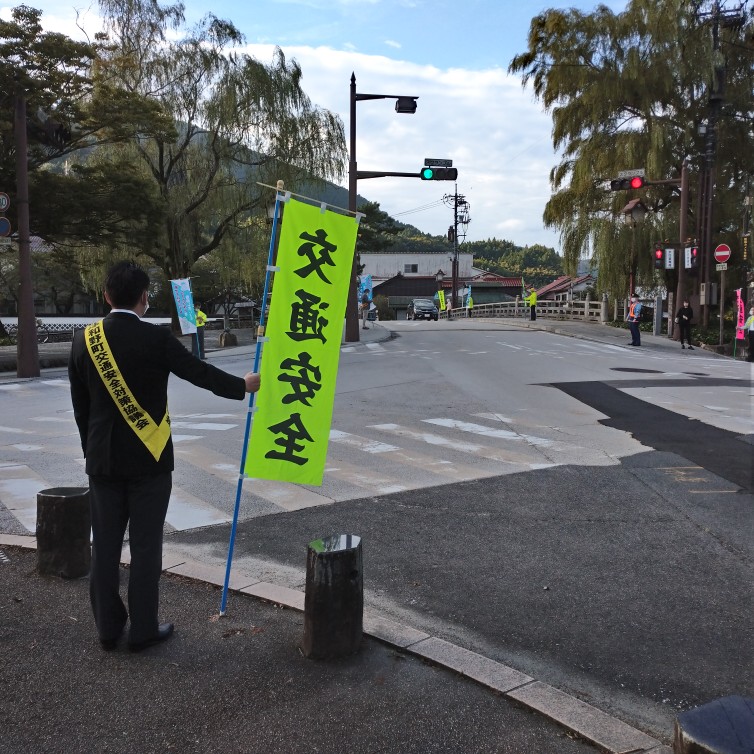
(422, 308)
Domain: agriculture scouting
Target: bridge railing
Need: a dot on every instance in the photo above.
(585, 311)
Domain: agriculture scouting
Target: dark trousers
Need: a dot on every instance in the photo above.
(750, 356)
(685, 328)
(635, 333)
(533, 312)
(197, 343)
(141, 504)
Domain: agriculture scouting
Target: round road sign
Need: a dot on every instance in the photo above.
(4, 226)
(4, 201)
(722, 253)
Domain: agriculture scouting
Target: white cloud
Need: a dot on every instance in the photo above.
(496, 135)
(391, 43)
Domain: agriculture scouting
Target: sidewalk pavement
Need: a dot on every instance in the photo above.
(240, 683)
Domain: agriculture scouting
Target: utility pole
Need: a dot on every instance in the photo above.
(460, 217)
(708, 176)
(27, 350)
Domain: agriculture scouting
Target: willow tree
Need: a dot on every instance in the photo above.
(629, 90)
(238, 122)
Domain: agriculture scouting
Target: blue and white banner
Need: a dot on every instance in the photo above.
(184, 304)
(365, 284)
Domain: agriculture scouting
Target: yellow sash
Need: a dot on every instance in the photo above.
(154, 436)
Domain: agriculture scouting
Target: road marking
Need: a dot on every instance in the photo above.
(211, 426)
(495, 454)
(494, 417)
(15, 431)
(289, 497)
(187, 511)
(480, 429)
(374, 347)
(11, 386)
(362, 443)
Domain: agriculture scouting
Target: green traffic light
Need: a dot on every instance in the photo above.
(427, 174)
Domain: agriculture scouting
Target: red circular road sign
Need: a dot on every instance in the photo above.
(722, 253)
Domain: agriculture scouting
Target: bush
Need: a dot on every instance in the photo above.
(383, 310)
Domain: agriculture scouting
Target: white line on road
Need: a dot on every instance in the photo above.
(362, 443)
(480, 429)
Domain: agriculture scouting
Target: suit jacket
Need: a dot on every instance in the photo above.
(146, 355)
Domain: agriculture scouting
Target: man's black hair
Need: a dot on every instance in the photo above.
(125, 282)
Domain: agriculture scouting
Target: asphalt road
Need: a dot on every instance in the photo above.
(577, 510)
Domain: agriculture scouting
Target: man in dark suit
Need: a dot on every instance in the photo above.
(119, 371)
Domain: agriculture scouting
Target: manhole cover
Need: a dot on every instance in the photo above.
(640, 371)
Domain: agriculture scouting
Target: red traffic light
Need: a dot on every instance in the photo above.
(659, 258)
(626, 184)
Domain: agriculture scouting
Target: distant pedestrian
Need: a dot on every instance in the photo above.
(748, 327)
(633, 318)
(118, 372)
(532, 299)
(197, 342)
(364, 309)
(683, 318)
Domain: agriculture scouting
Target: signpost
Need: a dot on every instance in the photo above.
(437, 162)
(631, 173)
(4, 201)
(722, 255)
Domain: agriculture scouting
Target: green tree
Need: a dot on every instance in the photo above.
(67, 113)
(628, 90)
(239, 122)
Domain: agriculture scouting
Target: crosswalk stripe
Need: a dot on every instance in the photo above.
(479, 429)
(362, 443)
(496, 454)
(282, 494)
(186, 511)
(209, 426)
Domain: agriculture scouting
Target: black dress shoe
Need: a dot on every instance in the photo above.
(110, 644)
(164, 631)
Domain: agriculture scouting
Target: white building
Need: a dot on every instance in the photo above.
(384, 265)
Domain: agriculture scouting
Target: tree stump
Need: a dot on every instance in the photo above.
(334, 601)
(724, 726)
(63, 532)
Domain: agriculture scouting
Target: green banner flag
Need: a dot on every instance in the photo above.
(441, 296)
(299, 366)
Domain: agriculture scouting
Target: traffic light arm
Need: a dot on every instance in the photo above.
(376, 174)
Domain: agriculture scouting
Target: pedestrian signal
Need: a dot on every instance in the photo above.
(659, 258)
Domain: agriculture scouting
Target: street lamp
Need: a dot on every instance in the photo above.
(405, 105)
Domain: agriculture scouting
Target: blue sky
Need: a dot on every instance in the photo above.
(452, 55)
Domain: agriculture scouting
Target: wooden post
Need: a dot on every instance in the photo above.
(63, 532)
(334, 601)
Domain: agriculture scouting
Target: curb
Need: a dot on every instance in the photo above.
(589, 723)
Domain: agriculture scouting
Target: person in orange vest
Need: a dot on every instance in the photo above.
(633, 319)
